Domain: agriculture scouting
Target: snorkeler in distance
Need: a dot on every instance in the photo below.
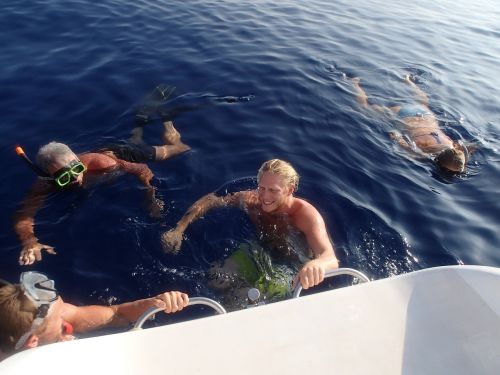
(422, 135)
(273, 209)
(32, 313)
(58, 168)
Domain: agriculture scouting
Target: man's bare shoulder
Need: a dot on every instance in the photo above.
(68, 309)
(303, 206)
(97, 161)
(72, 313)
(304, 212)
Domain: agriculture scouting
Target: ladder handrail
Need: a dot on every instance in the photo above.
(336, 272)
(192, 301)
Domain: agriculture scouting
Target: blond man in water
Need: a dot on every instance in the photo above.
(421, 134)
(273, 209)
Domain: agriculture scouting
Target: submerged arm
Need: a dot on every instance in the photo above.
(144, 175)
(421, 95)
(172, 239)
(24, 222)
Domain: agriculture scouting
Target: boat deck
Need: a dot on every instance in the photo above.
(443, 320)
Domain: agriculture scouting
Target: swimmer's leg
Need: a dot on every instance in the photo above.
(151, 103)
(421, 95)
(362, 98)
(136, 135)
(360, 93)
(148, 108)
(173, 144)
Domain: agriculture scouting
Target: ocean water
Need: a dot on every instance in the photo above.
(74, 71)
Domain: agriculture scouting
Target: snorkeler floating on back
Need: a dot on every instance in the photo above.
(58, 168)
(422, 134)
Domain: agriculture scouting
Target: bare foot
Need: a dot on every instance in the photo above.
(408, 78)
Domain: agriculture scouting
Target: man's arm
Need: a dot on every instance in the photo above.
(89, 318)
(144, 175)
(310, 222)
(24, 221)
(172, 239)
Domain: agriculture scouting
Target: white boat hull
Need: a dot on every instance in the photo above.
(443, 320)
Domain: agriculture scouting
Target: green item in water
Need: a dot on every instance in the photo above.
(255, 266)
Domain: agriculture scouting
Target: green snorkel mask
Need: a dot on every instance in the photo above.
(69, 173)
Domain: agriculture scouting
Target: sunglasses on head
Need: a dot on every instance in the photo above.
(40, 290)
(69, 173)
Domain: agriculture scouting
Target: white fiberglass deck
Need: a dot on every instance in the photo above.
(443, 320)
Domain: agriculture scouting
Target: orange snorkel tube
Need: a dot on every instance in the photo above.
(20, 152)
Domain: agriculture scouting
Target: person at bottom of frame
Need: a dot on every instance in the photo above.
(32, 313)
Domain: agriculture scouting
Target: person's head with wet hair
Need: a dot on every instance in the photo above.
(452, 160)
(17, 313)
(32, 313)
(51, 153)
(283, 169)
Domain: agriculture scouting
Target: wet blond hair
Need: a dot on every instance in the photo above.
(280, 168)
(17, 313)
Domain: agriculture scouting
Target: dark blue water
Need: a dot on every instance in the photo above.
(73, 71)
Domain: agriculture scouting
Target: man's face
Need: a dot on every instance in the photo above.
(63, 162)
(273, 192)
(54, 328)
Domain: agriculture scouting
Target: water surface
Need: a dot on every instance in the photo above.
(74, 71)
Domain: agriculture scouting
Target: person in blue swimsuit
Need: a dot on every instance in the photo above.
(422, 134)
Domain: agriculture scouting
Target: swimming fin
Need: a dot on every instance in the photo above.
(151, 102)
